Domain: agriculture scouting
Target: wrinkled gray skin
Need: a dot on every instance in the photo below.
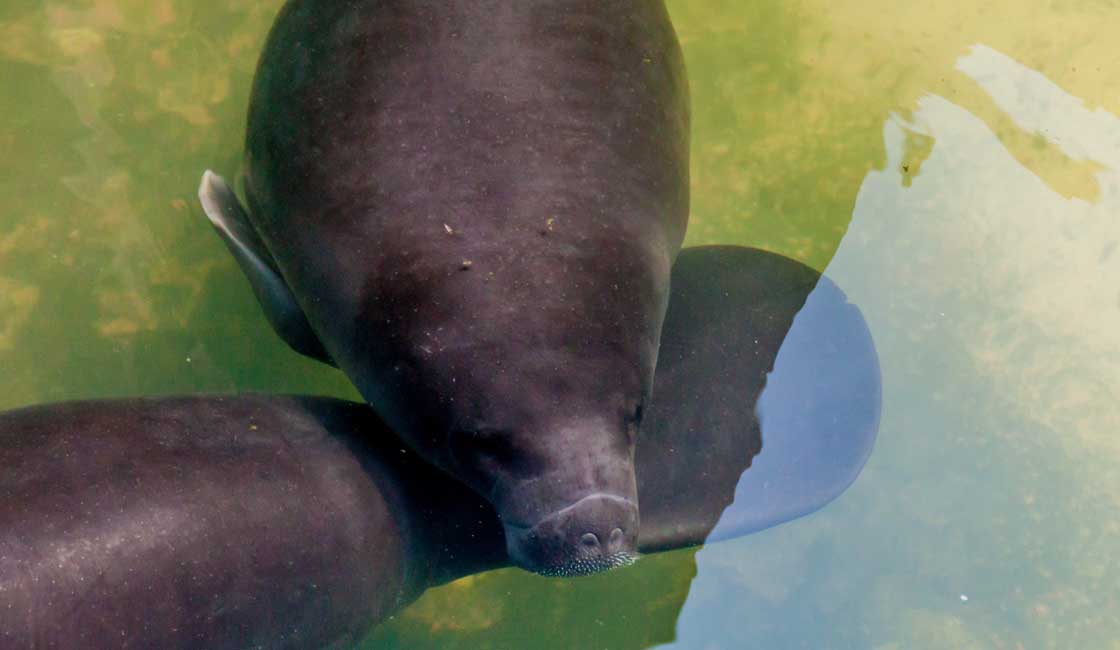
(298, 522)
(472, 207)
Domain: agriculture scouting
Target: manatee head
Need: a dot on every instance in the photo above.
(526, 380)
(565, 486)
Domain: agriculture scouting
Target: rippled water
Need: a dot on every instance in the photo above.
(954, 166)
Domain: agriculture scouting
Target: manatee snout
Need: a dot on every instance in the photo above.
(594, 534)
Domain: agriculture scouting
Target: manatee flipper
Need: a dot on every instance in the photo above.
(747, 327)
(280, 307)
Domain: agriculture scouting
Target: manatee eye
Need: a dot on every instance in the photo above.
(481, 449)
(634, 422)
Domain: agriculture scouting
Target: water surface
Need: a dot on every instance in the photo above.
(954, 166)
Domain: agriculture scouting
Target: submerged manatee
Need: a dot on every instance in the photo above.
(472, 207)
(201, 522)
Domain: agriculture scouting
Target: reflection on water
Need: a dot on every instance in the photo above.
(981, 186)
(988, 516)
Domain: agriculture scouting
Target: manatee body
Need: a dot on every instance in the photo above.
(472, 208)
(298, 522)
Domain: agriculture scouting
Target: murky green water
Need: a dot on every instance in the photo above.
(955, 167)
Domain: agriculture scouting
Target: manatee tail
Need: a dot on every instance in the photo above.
(745, 328)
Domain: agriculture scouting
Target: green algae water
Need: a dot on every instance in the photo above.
(955, 167)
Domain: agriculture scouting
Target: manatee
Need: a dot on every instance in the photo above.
(472, 209)
(294, 522)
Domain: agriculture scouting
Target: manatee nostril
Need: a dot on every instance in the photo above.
(615, 541)
(590, 540)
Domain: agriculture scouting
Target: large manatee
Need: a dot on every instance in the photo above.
(472, 207)
(297, 522)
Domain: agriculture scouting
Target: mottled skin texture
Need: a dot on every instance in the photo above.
(211, 522)
(296, 522)
(477, 204)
